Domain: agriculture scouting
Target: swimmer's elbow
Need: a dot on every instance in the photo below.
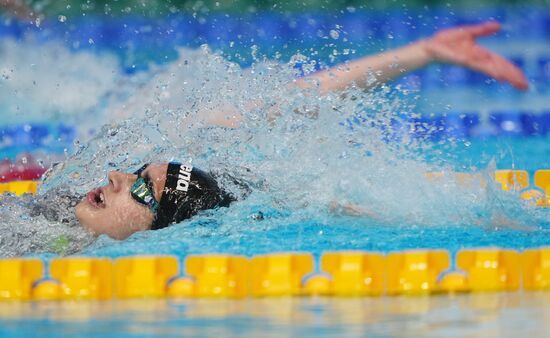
(347, 209)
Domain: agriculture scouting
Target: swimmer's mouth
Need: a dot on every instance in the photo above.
(97, 198)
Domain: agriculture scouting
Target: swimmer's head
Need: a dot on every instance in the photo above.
(153, 197)
(187, 191)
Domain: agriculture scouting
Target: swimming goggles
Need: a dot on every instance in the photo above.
(142, 191)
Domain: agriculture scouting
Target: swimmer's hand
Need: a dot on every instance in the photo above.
(454, 45)
(350, 209)
(458, 46)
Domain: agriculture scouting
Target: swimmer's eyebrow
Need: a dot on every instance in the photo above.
(151, 182)
(143, 172)
(140, 170)
(146, 177)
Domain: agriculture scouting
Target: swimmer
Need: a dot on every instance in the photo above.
(159, 195)
(454, 46)
(153, 197)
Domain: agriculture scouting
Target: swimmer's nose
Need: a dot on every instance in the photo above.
(117, 179)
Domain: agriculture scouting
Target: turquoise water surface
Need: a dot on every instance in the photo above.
(298, 167)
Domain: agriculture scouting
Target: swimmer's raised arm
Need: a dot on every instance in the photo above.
(455, 45)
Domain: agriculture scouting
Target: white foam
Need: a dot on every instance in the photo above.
(44, 81)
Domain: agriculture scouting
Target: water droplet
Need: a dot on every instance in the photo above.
(62, 18)
(334, 34)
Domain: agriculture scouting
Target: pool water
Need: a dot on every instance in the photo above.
(319, 236)
(251, 228)
(295, 181)
(487, 315)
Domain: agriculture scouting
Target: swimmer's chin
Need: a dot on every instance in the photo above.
(94, 220)
(80, 211)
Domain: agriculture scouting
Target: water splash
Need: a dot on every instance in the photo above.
(308, 159)
(35, 225)
(46, 81)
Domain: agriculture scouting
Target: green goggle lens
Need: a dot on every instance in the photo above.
(141, 192)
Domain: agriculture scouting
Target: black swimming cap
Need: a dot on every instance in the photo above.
(187, 191)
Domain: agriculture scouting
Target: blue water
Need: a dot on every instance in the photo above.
(383, 180)
(140, 43)
(504, 314)
(317, 237)
(366, 154)
(250, 227)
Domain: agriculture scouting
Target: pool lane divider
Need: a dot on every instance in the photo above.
(19, 187)
(340, 274)
(517, 181)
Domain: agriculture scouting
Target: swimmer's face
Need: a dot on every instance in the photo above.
(111, 209)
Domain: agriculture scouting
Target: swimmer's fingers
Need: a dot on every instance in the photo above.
(497, 67)
(482, 29)
(511, 73)
(458, 46)
(491, 63)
